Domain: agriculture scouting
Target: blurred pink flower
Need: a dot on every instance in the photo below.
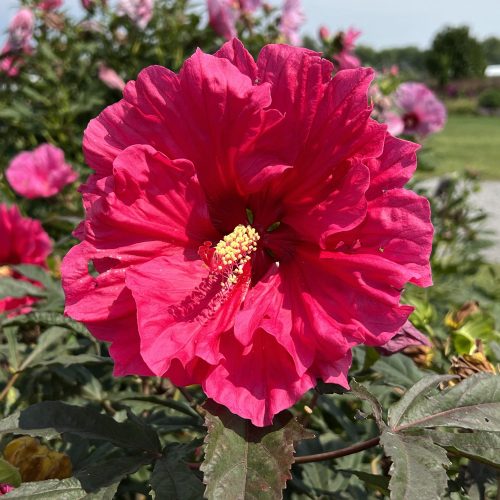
(346, 59)
(250, 5)
(324, 33)
(50, 4)
(394, 122)
(110, 78)
(23, 242)
(18, 42)
(223, 15)
(39, 173)
(21, 29)
(5, 488)
(139, 11)
(420, 110)
(292, 18)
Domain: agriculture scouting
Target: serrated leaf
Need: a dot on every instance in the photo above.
(363, 393)
(52, 489)
(413, 396)
(172, 478)
(9, 474)
(50, 418)
(99, 475)
(243, 461)
(474, 403)
(398, 370)
(47, 319)
(481, 446)
(10, 287)
(55, 489)
(417, 469)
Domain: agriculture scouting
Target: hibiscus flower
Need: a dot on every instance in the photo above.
(40, 173)
(139, 12)
(23, 242)
(420, 112)
(247, 225)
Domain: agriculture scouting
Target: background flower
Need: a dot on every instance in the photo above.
(49, 5)
(420, 110)
(40, 173)
(110, 77)
(292, 18)
(246, 235)
(23, 242)
(223, 15)
(140, 12)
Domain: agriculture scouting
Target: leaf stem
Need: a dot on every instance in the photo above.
(329, 455)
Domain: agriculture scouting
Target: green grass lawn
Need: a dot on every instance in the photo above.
(467, 142)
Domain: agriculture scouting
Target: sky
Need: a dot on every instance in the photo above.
(384, 23)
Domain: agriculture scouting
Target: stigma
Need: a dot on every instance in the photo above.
(229, 258)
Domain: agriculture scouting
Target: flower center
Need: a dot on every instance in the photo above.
(231, 254)
(410, 120)
(234, 251)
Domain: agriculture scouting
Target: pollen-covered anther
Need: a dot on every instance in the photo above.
(234, 251)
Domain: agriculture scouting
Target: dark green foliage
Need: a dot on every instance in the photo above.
(455, 54)
(490, 99)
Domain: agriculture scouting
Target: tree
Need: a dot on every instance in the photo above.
(455, 54)
(491, 48)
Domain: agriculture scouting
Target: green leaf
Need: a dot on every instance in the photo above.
(413, 396)
(9, 474)
(398, 370)
(363, 393)
(45, 341)
(35, 273)
(52, 489)
(99, 475)
(372, 481)
(417, 469)
(172, 478)
(169, 403)
(244, 461)
(50, 418)
(55, 489)
(10, 287)
(47, 319)
(474, 403)
(480, 446)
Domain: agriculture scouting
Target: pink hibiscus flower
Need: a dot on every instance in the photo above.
(140, 12)
(39, 173)
(292, 18)
(23, 242)
(48, 5)
(249, 226)
(222, 16)
(346, 59)
(18, 42)
(110, 78)
(420, 111)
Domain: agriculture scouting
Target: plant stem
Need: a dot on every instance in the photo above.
(9, 385)
(329, 455)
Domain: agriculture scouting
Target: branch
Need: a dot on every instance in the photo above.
(329, 455)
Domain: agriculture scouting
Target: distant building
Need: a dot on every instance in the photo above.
(492, 71)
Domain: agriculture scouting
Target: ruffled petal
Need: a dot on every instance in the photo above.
(398, 229)
(104, 305)
(236, 52)
(182, 309)
(393, 168)
(256, 381)
(155, 203)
